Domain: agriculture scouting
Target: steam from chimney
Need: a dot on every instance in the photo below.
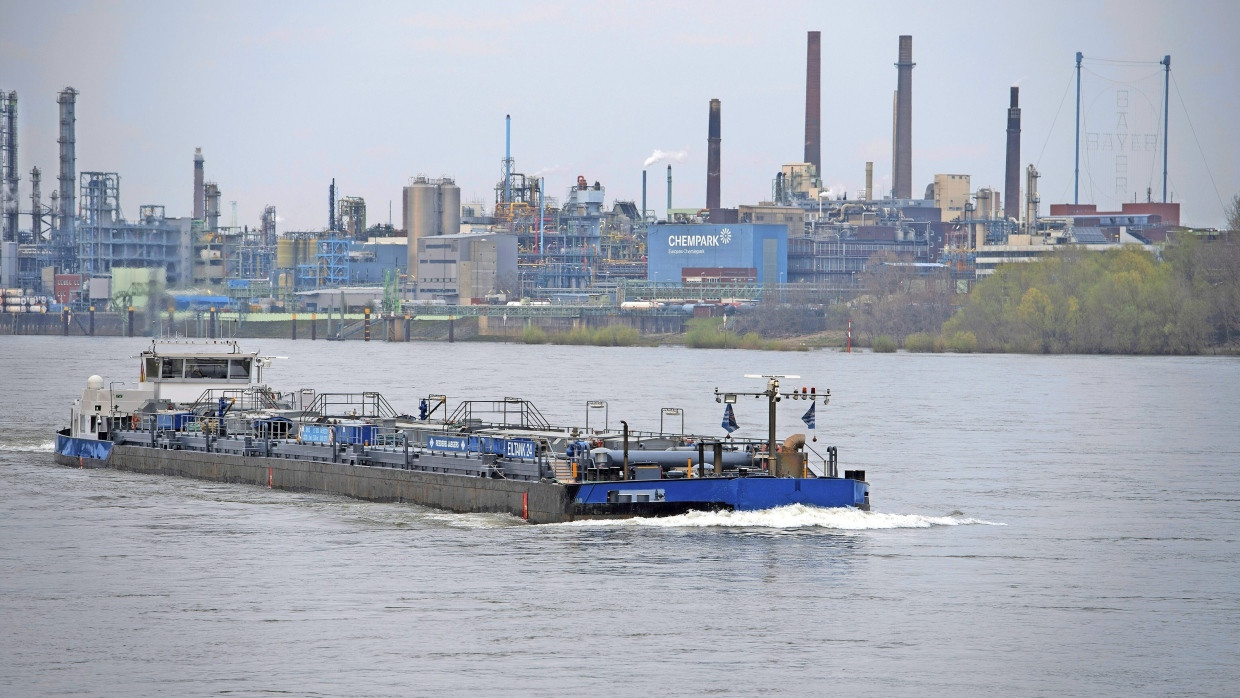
(666, 156)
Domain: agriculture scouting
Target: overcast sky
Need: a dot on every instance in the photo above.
(283, 96)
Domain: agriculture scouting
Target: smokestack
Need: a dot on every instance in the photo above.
(1011, 180)
(68, 161)
(902, 177)
(200, 197)
(712, 157)
(813, 101)
(869, 181)
(669, 193)
(643, 195)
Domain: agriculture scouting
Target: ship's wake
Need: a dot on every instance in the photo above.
(794, 516)
(32, 444)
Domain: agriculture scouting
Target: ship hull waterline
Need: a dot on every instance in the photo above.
(534, 501)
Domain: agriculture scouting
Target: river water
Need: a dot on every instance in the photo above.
(1041, 526)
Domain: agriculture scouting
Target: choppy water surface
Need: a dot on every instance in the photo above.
(1042, 525)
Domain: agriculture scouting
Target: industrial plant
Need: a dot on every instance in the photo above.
(524, 250)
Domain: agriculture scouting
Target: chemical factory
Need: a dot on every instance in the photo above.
(524, 247)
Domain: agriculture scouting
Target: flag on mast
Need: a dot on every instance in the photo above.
(729, 419)
(809, 416)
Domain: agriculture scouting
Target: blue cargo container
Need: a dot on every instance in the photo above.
(175, 421)
(356, 433)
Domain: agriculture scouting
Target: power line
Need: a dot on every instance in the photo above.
(1180, 95)
(1066, 89)
(1117, 61)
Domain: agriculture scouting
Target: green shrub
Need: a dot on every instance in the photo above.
(962, 342)
(883, 344)
(922, 342)
(532, 334)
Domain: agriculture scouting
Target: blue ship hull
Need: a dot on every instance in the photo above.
(71, 450)
(670, 497)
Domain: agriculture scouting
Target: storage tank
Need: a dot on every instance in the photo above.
(450, 203)
(424, 214)
(309, 248)
(284, 253)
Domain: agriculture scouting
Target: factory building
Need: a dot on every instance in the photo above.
(951, 194)
(461, 268)
(706, 253)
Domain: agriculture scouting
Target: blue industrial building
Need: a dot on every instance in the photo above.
(733, 252)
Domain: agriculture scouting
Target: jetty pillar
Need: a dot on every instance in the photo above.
(92, 321)
(211, 324)
(130, 329)
(294, 327)
(314, 331)
(64, 321)
(406, 327)
(451, 329)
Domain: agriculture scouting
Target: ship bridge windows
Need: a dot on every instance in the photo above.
(239, 369)
(171, 368)
(209, 369)
(198, 368)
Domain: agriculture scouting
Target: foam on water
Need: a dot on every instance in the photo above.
(36, 444)
(793, 516)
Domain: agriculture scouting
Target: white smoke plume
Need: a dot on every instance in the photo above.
(670, 156)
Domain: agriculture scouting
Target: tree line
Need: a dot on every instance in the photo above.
(1125, 300)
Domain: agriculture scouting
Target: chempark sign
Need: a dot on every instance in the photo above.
(697, 244)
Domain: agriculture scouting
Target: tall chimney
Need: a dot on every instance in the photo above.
(903, 175)
(1011, 180)
(712, 157)
(813, 101)
(643, 195)
(200, 196)
(869, 181)
(669, 193)
(68, 161)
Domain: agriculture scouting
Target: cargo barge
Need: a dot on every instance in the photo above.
(203, 411)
